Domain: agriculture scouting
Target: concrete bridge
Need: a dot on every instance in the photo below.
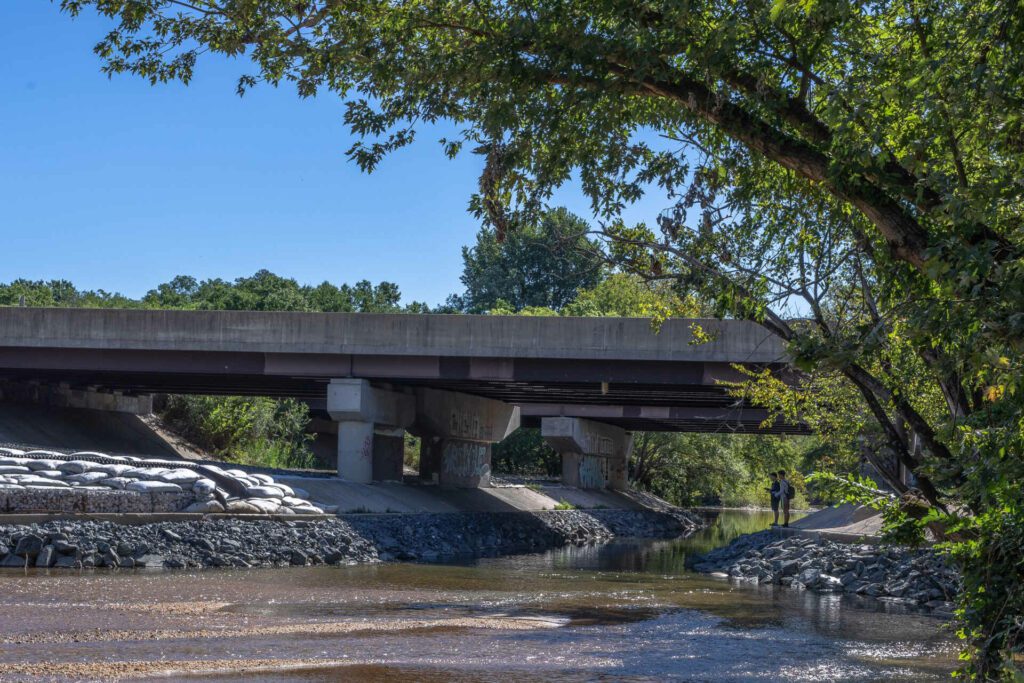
(459, 382)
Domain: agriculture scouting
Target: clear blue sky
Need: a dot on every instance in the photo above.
(118, 185)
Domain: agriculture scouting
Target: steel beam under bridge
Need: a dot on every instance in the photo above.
(616, 370)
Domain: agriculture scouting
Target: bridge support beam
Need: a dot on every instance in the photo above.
(594, 455)
(62, 395)
(457, 431)
(370, 429)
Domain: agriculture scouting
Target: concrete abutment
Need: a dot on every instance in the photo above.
(456, 431)
(371, 424)
(594, 455)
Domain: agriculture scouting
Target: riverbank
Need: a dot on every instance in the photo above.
(912, 577)
(347, 539)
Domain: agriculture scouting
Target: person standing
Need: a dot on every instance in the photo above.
(786, 493)
(774, 493)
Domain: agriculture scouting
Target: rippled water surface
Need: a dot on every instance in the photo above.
(623, 611)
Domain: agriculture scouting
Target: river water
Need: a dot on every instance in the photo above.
(626, 611)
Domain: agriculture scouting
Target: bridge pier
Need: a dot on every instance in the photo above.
(457, 431)
(594, 455)
(371, 425)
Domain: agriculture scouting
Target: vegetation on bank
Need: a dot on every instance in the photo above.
(247, 430)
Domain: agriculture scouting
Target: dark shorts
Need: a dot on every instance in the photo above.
(785, 505)
(775, 504)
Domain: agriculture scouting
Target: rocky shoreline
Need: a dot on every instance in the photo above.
(913, 577)
(351, 539)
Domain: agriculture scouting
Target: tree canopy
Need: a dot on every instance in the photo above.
(541, 265)
(262, 291)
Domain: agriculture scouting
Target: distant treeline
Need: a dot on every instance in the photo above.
(263, 291)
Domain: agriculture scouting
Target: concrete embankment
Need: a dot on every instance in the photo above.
(240, 542)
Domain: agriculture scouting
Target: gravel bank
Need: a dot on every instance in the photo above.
(898, 575)
(239, 542)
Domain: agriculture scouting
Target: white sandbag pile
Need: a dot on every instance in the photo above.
(183, 488)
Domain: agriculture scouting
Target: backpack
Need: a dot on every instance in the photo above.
(786, 491)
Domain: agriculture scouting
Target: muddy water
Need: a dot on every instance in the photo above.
(624, 611)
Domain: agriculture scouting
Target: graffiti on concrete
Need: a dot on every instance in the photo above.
(466, 459)
(465, 424)
(366, 451)
(594, 444)
(593, 472)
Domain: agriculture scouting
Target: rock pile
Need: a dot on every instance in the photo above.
(432, 537)
(212, 542)
(239, 542)
(664, 523)
(95, 482)
(899, 575)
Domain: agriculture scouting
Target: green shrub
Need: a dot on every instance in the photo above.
(256, 431)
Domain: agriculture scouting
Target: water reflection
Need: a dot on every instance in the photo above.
(627, 611)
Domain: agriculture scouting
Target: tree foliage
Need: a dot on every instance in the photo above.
(716, 469)
(541, 265)
(265, 291)
(246, 430)
(262, 291)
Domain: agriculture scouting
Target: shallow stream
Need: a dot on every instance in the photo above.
(624, 611)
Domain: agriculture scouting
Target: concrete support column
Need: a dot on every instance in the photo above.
(370, 429)
(594, 455)
(457, 431)
(355, 451)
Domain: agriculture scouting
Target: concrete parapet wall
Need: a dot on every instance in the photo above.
(498, 337)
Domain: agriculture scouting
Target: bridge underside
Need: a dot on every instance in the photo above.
(635, 395)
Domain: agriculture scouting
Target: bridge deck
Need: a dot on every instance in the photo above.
(617, 370)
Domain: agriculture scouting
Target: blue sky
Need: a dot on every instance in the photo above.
(118, 185)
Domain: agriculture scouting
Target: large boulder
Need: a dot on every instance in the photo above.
(28, 546)
(47, 556)
(810, 576)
